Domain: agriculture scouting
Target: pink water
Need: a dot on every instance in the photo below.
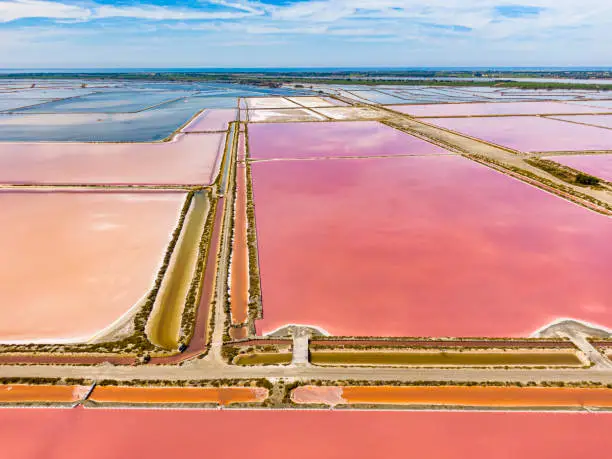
(101, 433)
(319, 140)
(601, 105)
(531, 133)
(188, 159)
(72, 263)
(212, 120)
(494, 108)
(597, 165)
(424, 246)
(597, 120)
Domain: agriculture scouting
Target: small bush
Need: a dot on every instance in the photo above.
(585, 179)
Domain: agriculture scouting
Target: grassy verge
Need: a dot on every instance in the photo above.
(255, 306)
(227, 306)
(446, 358)
(264, 359)
(564, 173)
(333, 78)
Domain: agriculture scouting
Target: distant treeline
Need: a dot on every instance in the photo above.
(342, 77)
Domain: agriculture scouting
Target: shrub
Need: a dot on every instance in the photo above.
(585, 179)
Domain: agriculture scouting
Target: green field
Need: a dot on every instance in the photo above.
(446, 358)
(264, 359)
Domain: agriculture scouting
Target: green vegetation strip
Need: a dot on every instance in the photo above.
(454, 83)
(276, 79)
(255, 309)
(564, 173)
(600, 206)
(264, 359)
(535, 179)
(446, 358)
(232, 192)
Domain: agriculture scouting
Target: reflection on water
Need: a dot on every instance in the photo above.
(103, 111)
(142, 111)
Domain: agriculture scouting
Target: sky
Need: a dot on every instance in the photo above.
(304, 33)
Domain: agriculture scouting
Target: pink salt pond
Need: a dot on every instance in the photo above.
(601, 105)
(211, 120)
(493, 108)
(530, 133)
(323, 434)
(595, 120)
(333, 140)
(424, 246)
(72, 263)
(189, 159)
(597, 165)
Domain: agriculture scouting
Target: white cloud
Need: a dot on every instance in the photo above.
(478, 15)
(11, 10)
(455, 27)
(275, 30)
(157, 13)
(253, 43)
(244, 6)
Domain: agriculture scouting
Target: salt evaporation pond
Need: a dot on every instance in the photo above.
(322, 140)
(72, 263)
(423, 246)
(189, 159)
(103, 433)
(109, 102)
(212, 120)
(527, 133)
(493, 108)
(595, 120)
(602, 105)
(112, 113)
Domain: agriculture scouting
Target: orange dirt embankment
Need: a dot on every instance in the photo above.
(239, 291)
(16, 393)
(221, 395)
(456, 396)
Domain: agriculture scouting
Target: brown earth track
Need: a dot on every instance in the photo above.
(58, 359)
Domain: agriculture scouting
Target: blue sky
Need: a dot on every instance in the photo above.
(304, 33)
